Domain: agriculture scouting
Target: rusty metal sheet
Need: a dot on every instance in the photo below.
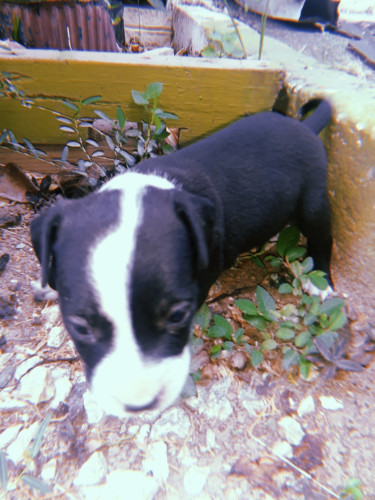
(85, 26)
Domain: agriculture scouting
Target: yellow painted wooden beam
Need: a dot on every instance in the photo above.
(206, 94)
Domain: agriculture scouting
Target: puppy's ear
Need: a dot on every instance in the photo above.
(198, 215)
(44, 230)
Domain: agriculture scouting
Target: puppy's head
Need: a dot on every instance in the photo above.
(125, 262)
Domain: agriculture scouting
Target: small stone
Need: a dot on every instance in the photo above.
(93, 411)
(63, 385)
(131, 484)
(331, 403)
(9, 435)
(306, 406)
(238, 360)
(6, 375)
(173, 421)
(20, 246)
(93, 471)
(283, 449)
(195, 480)
(26, 366)
(156, 462)
(292, 430)
(210, 439)
(51, 315)
(49, 470)
(16, 450)
(35, 387)
(56, 336)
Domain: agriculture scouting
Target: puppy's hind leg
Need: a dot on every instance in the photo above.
(316, 226)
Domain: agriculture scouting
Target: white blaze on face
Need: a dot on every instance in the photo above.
(124, 377)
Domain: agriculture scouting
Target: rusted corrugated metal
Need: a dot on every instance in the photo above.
(76, 26)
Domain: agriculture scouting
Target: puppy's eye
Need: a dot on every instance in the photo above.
(81, 330)
(178, 315)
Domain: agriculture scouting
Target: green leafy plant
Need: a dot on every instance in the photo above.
(31, 453)
(352, 490)
(154, 126)
(127, 142)
(304, 330)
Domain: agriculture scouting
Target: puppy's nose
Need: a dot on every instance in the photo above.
(136, 409)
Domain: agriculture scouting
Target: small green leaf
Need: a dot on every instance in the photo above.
(65, 128)
(121, 117)
(258, 262)
(295, 253)
(257, 322)
(102, 115)
(216, 332)
(223, 323)
(39, 436)
(228, 345)
(310, 319)
(268, 345)
(197, 375)
(288, 238)
(70, 105)
(308, 264)
(165, 115)
(284, 333)
(291, 357)
(304, 367)
(302, 339)
(246, 306)
(317, 279)
(256, 357)
(154, 90)
(36, 484)
(264, 299)
(209, 51)
(92, 99)
(285, 288)
(203, 317)
(331, 305)
(238, 335)
(3, 471)
(337, 320)
(215, 351)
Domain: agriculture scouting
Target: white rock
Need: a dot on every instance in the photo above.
(173, 421)
(211, 439)
(292, 430)
(283, 449)
(143, 433)
(49, 470)
(26, 365)
(56, 336)
(9, 402)
(51, 315)
(306, 406)
(62, 383)
(93, 411)
(156, 462)
(93, 471)
(251, 401)
(213, 401)
(34, 386)
(9, 435)
(124, 485)
(331, 403)
(16, 450)
(195, 479)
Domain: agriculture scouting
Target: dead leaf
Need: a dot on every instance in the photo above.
(308, 454)
(14, 183)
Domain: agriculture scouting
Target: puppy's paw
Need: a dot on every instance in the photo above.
(43, 293)
(311, 289)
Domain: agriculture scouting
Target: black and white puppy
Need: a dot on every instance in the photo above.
(133, 261)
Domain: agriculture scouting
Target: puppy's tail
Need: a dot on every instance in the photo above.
(320, 117)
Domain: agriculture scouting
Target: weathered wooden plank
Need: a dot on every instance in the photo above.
(205, 94)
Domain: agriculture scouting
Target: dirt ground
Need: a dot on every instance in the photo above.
(247, 433)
